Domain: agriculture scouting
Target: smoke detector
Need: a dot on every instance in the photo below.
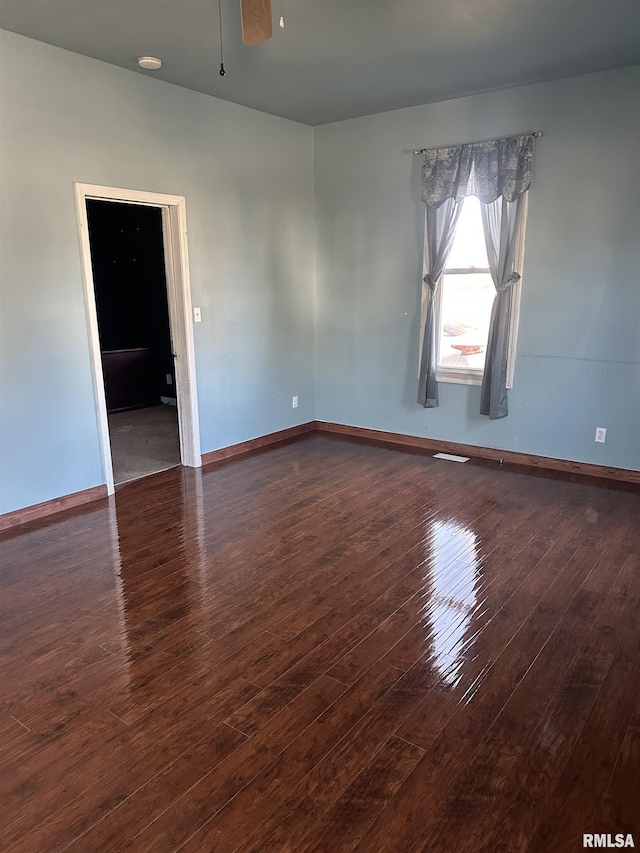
(151, 63)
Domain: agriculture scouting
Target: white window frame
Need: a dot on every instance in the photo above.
(467, 375)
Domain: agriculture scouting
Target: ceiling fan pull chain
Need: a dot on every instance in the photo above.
(222, 71)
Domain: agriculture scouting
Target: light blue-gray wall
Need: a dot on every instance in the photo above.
(248, 181)
(579, 344)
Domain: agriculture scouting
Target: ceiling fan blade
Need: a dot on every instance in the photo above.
(257, 24)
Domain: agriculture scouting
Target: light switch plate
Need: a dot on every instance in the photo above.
(197, 315)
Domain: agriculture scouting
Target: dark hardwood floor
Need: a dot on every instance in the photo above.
(329, 646)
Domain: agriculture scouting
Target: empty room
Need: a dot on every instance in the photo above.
(319, 426)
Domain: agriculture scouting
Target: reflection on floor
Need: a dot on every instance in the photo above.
(144, 441)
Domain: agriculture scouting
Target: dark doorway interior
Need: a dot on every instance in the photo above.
(127, 256)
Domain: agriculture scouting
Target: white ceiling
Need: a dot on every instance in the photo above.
(337, 59)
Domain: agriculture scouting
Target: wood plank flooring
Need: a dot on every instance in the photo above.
(329, 646)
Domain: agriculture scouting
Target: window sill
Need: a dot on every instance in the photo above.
(459, 376)
(463, 377)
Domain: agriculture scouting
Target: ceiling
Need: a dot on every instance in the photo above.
(338, 59)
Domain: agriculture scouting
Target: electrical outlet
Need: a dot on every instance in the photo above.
(197, 315)
(169, 379)
(294, 402)
(601, 434)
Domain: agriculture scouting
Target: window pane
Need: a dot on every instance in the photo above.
(468, 248)
(466, 311)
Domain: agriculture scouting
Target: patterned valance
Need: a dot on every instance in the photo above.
(488, 170)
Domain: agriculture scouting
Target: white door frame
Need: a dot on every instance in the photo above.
(174, 227)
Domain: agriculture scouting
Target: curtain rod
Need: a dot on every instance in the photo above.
(422, 150)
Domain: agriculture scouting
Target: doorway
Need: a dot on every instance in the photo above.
(127, 260)
(139, 316)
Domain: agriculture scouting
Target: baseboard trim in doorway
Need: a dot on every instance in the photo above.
(42, 510)
(513, 457)
(258, 443)
(128, 482)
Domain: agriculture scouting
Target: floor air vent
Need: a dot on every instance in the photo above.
(450, 457)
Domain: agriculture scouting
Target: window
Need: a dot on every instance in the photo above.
(463, 304)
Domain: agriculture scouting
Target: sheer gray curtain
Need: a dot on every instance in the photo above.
(502, 221)
(439, 233)
(498, 172)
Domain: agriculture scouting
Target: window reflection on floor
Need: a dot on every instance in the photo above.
(455, 571)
